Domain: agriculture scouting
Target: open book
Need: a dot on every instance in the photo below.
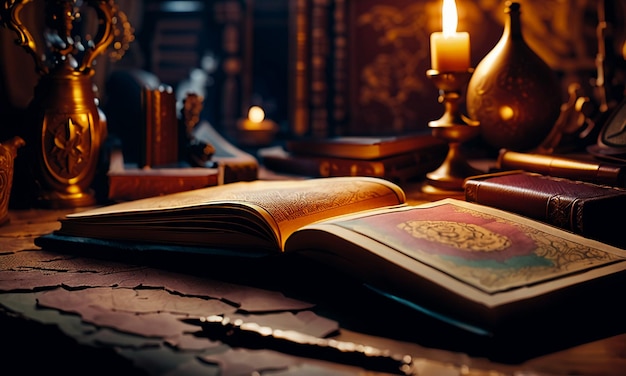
(259, 215)
(471, 264)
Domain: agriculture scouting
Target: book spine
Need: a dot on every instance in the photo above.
(299, 56)
(324, 167)
(233, 75)
(160, 137)
(320, 49)
(398, 168)
(339, 102)
(125, 187)
(555, 209)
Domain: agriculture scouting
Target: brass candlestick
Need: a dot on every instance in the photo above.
(453, 127)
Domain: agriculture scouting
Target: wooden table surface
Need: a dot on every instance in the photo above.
(91, 315)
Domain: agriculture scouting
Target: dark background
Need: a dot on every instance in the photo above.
(240, 53)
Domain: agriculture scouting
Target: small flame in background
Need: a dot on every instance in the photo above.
(256, 114)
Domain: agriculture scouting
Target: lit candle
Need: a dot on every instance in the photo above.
(256, 129)
(450, 50)
(256, 119)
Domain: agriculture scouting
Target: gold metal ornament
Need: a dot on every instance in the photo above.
(513, 93)
(65, 129)
(456, 129)
(8, 152)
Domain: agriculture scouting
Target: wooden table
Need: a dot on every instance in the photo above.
(91, 315)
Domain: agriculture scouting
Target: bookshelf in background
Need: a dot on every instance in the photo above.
(358, 68)
(232, 80)
(203, 47)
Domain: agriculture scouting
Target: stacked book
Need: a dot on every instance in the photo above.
(580, 207)
(396, 158)
(228, 164)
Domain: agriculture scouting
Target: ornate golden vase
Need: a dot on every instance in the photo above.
(70, 132)
(65, 128)
(513, 93)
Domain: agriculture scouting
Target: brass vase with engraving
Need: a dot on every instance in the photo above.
(513, 93)
(65, 127)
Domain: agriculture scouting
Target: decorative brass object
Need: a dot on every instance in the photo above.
(572, 121)
(8, 152)
(455, 128)
(197, 152)
(513, 93)
(66, 128)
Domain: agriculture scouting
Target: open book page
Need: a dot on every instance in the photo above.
(282, 206)
(481, 253)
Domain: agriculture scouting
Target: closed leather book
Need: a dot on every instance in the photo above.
(366, 148)
(397, 168)
(584, 208)
(137, 183)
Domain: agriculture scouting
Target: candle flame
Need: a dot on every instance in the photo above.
(450, 18)
(256, 114)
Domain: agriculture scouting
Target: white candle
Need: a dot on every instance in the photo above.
(450, 50)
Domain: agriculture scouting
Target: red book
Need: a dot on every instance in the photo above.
(584, 208)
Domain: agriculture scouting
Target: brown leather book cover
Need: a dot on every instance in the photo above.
(137, 183)
(126, 183)
(398, 168)
(367, 148)
(160, 130)
(584, 208)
